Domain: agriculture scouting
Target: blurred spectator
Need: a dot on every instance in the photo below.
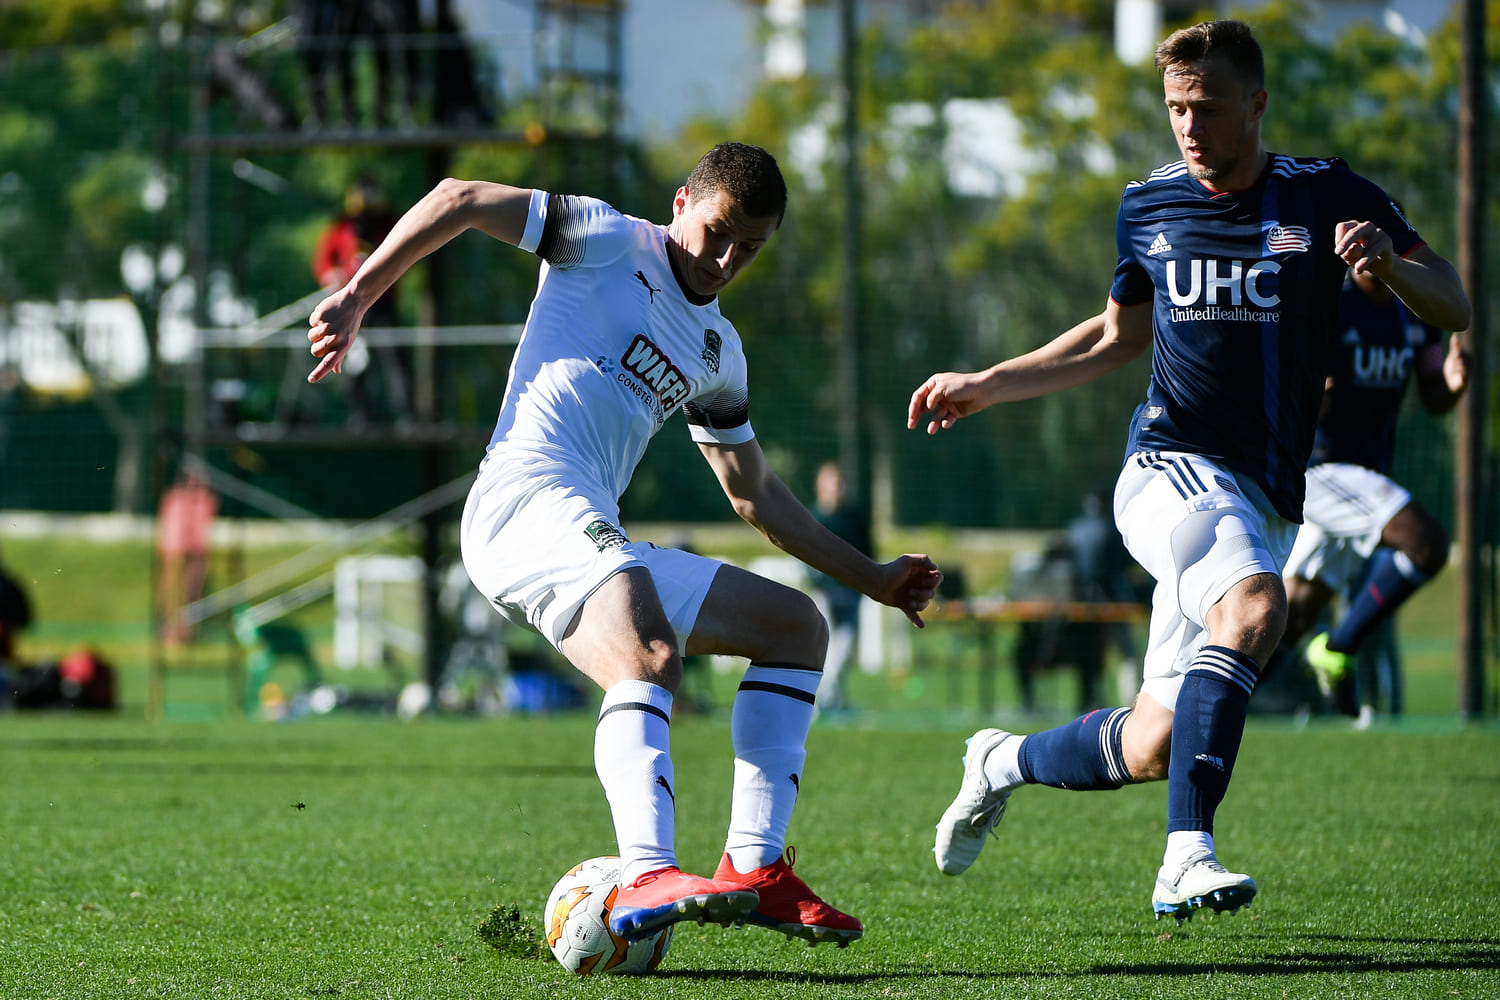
(456, 98)
(325, 29)
(839, 514)
(187, 513)
(342, 247)
(1057, 640)
(15, 614)
(1102, 572)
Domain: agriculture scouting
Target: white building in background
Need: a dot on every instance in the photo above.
(1140, 24)
(683, 58)
(687, 58)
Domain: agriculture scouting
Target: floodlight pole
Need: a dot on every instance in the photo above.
(1472, 521)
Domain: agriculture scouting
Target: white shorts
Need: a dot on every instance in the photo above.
(537, 548)
(1347, 509)
(1198, 529)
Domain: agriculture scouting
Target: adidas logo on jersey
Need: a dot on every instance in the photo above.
(1159, 245)
(1214, 762)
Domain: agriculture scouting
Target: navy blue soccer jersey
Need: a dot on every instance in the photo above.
(1245, 292)
(1370, 363)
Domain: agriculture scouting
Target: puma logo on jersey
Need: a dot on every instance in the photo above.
(650, 288)
(663, 783)
(795, 783)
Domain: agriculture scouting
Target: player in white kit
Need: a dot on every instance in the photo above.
(625, 329)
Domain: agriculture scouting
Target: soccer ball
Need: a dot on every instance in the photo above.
(577, 922)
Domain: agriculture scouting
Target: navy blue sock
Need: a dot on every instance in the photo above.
(1206, 730)
(1391, 579)
(1085, 755)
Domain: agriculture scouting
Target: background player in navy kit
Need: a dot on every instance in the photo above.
(624, 329)
(1354, 511)
(1230, 263)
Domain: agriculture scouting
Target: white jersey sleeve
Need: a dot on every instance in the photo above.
(578, 231)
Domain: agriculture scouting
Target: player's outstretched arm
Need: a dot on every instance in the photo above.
(447, 210)
(906, 583)
(1442, 375)
(1423, 279)
(1098, 345)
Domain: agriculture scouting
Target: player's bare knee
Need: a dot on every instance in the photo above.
(661, 665)
(1252, 617)
(798, 633)
(1430, 554)
(1148, 751)
(1147, 740)
(1416, 533)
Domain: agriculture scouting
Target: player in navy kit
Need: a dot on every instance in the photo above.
(1230, 263)
(1354, 511)
(624, 331)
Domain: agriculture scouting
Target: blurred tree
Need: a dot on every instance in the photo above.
(954, 276)
(955, 279)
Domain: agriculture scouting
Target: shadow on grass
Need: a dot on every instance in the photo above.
(174, 759)
(1455, 954)
(1434, 954)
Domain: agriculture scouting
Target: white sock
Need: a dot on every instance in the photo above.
(632, 756)
(1002, 766)
(769, 723)
(1184, 844)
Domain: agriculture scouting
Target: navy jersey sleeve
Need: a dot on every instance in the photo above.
(1132, 285)
(1362, 200)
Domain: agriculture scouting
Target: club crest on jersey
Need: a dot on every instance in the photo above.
(712, 343)
(606, 535)
(1288, 239)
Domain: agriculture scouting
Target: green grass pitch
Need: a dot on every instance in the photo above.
(358, 858)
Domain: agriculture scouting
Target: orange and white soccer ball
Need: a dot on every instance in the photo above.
(577, 922)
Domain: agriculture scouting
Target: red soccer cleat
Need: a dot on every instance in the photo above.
(789, 906)
(669, 895)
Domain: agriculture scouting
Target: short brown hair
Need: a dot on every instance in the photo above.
(1230, 40)
(747, 173)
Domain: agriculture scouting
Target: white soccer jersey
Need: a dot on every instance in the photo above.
(612, 347)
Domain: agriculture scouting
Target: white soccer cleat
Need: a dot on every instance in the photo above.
(975, 812)
(1200, 882)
